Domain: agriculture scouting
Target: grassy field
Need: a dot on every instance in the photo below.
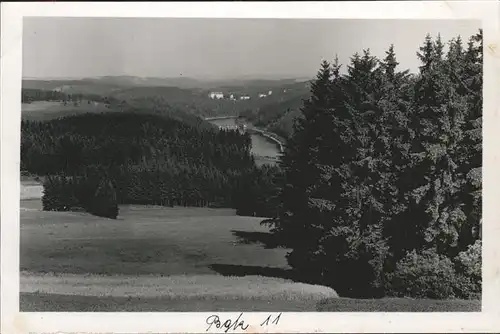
(65, 303)
(33, 302)
(143, 240)
(397, 305)
(44, 110)
(170, 259)
(173, 258)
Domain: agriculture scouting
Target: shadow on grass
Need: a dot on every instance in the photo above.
(240, 270)
(268, 240)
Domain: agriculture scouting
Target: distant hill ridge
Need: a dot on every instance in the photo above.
(273, 103)
(181, 82)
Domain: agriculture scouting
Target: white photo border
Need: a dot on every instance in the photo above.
(13, 321)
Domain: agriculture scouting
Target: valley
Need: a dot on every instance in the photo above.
(239, 164)
(264, 149)
(185, 202)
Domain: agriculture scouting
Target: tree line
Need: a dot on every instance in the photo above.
(381, 192)
(144, 159)
(29, 95)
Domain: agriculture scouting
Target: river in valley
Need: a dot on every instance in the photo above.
(262, 147)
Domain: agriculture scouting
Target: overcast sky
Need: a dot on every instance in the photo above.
(215, 48)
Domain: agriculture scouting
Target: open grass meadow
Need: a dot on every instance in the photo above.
(169, 259)
(142, 241)
(45, 110)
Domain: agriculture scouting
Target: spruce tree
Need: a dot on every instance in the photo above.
(394, 148)
(104, 203)
(472, 140)
(295, 225)
(359, 210)
(436, 212)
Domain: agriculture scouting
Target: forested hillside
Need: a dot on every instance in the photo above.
(278, 117)
(141, 93)
(147, 159)
(381, 192)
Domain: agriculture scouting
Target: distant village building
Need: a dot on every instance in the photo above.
(231, 97)
(216, 95)
(245, 97)
(262, 95)
(270, 92)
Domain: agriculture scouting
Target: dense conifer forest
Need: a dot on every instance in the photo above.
(382, 177)
(148, 159)
(277, 117)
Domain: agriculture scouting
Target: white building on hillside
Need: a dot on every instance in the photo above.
(216, 95)
(262, 95)
(245, 97)
(270, 92)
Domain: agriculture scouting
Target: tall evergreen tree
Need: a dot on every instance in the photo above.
(358, 223)
(299, 164)
(472, 84)
(442, 114)
(104, 202)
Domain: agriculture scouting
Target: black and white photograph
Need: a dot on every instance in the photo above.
(190, 164)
